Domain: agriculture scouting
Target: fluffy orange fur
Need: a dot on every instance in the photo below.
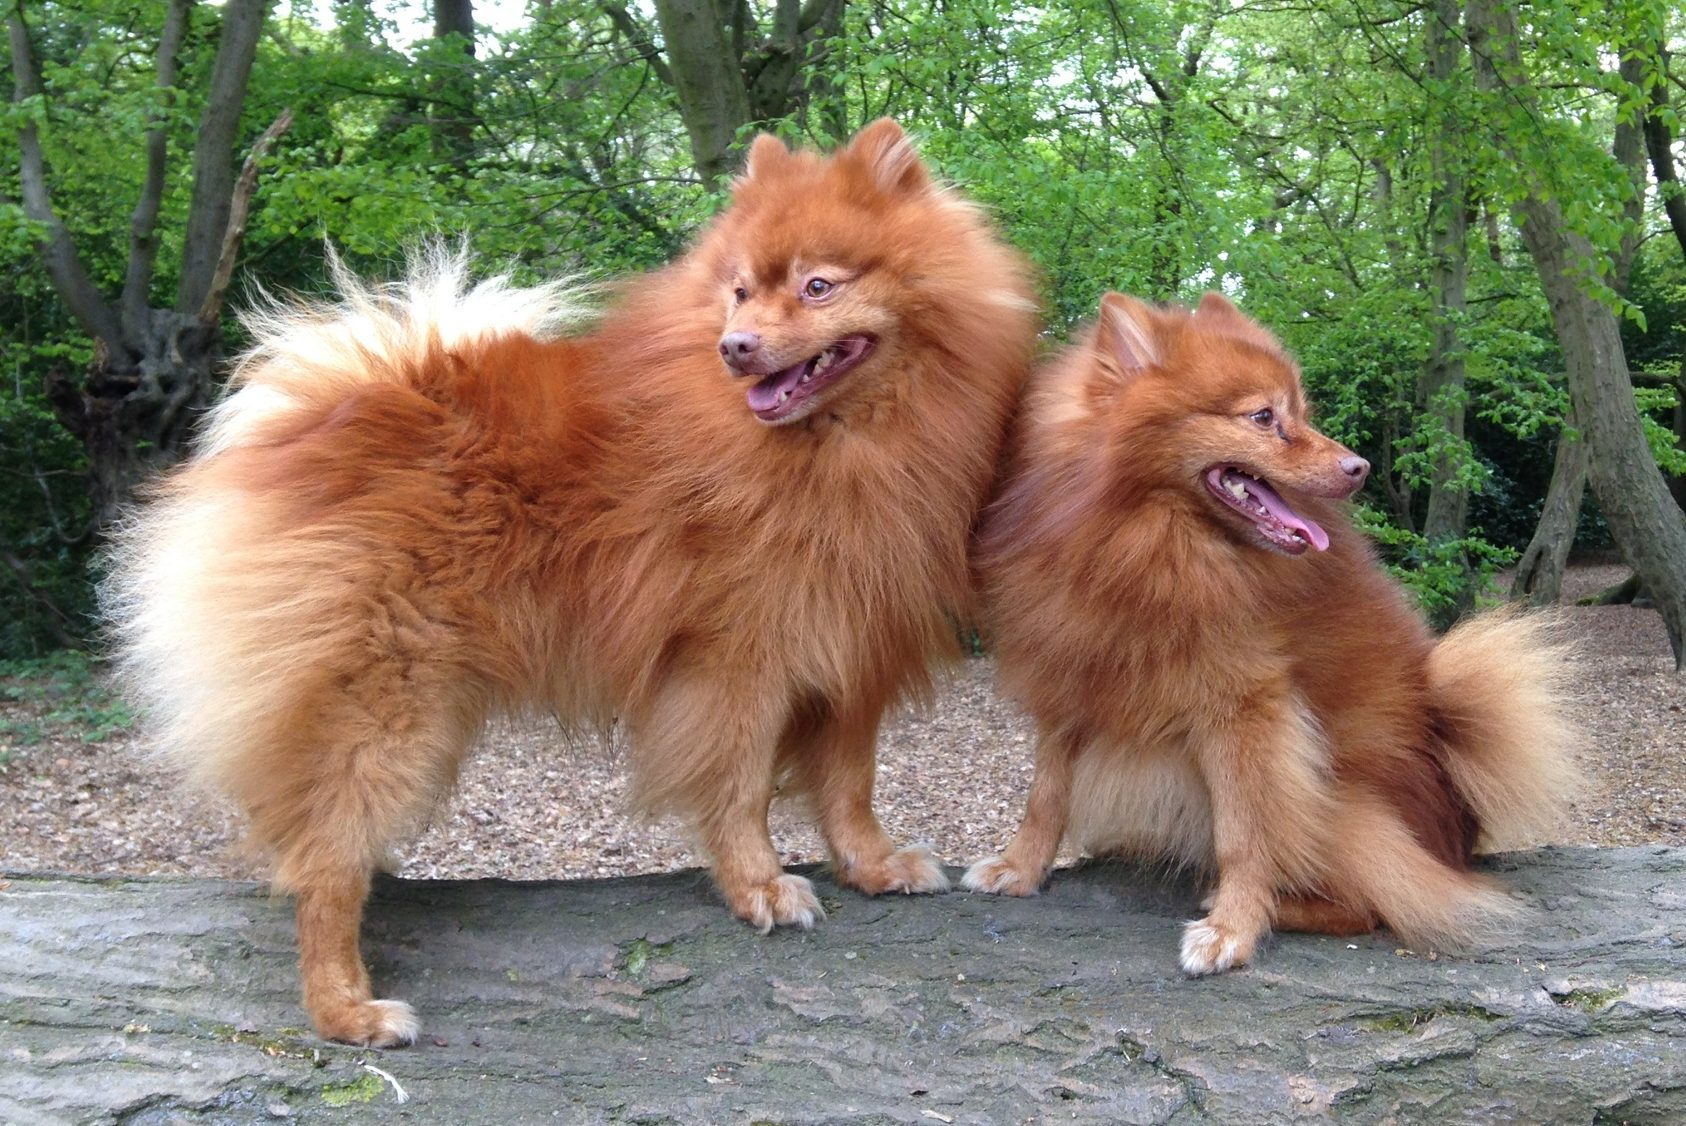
(425, 505)
(1212, 688)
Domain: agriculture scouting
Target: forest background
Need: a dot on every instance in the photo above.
(1465, 218)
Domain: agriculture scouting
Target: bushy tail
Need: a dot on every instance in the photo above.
(311, 353)
(1498, 685)
(217, 603)
(1423, 900)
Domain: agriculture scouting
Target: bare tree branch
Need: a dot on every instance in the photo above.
(58, 253)
(213, 156)
(240, 205)
(639, 39)
(1659, 140)
(813, 11)
(143, 245)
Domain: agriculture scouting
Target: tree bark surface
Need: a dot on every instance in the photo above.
(708, 82)
(1441, 390)
(639, 999)
(1539, 573)
(1644, 520)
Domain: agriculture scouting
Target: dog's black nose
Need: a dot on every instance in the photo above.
(1356, 468)
(737, 347)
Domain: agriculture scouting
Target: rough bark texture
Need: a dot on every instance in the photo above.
(1539, 573)
(640, 1000)
(152, 368)
(1440, 390)
(1646, 523)
(707, 80)
(213, 153)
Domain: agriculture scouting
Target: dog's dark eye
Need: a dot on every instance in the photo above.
(1264, 417)
(817, 287)
(740, 295)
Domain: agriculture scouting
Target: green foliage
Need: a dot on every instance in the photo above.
(65, 693)
(1279, 154)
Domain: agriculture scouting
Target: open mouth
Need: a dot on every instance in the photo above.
(779, 397)
(1276, 520)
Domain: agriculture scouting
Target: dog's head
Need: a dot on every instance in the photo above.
(828, 270)
(1209, 403)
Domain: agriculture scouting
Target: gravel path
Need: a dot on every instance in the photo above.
(532, 807)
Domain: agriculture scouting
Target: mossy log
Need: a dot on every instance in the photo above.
(171, 1000)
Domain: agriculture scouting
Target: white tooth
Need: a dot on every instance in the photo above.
(783, 395)
(825, 360)
(1236, 489)
(806, 376)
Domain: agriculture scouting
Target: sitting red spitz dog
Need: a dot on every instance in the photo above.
(733, 518)
(1223, 676)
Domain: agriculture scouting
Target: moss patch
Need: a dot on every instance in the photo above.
(636, 955)
(1589, 1000)
(1407, 1019)
(363, 1090)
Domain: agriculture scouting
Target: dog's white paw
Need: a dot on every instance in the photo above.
(785, 901)
(994, 876)
(1210, 948)
(370, 1024)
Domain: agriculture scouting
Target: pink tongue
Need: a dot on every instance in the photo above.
(764, 396)
(1278, 507)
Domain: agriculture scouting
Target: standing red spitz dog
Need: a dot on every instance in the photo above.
(733, 517)
(1222, 675)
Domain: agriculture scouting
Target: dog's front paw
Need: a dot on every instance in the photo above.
(785, 901)
(369, 1024)
(997, 877)
(1209, 947)
(911, 871)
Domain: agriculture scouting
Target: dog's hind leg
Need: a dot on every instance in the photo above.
(1310, 914)
(337, 991)
(346, 783)
(835, 765)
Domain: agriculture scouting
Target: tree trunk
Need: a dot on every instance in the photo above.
(1647, 525)
(726, 75)
(153, 368)
(452, 115)
(708, 80)
(134, 417)
(1440, 391)
(213, 154)
(1677, 485)
(1539, 573)
(1659, 142)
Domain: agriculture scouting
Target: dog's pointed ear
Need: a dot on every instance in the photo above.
(1125, 336)
(886, 157)
(1215, 306)
(1216, 311)
(767, 155)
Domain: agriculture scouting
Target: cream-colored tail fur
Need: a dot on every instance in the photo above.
(306, 353)
(218, 610)
(1497, 690)
(1498, 682)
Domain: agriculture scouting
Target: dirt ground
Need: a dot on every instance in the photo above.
(79, 793)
